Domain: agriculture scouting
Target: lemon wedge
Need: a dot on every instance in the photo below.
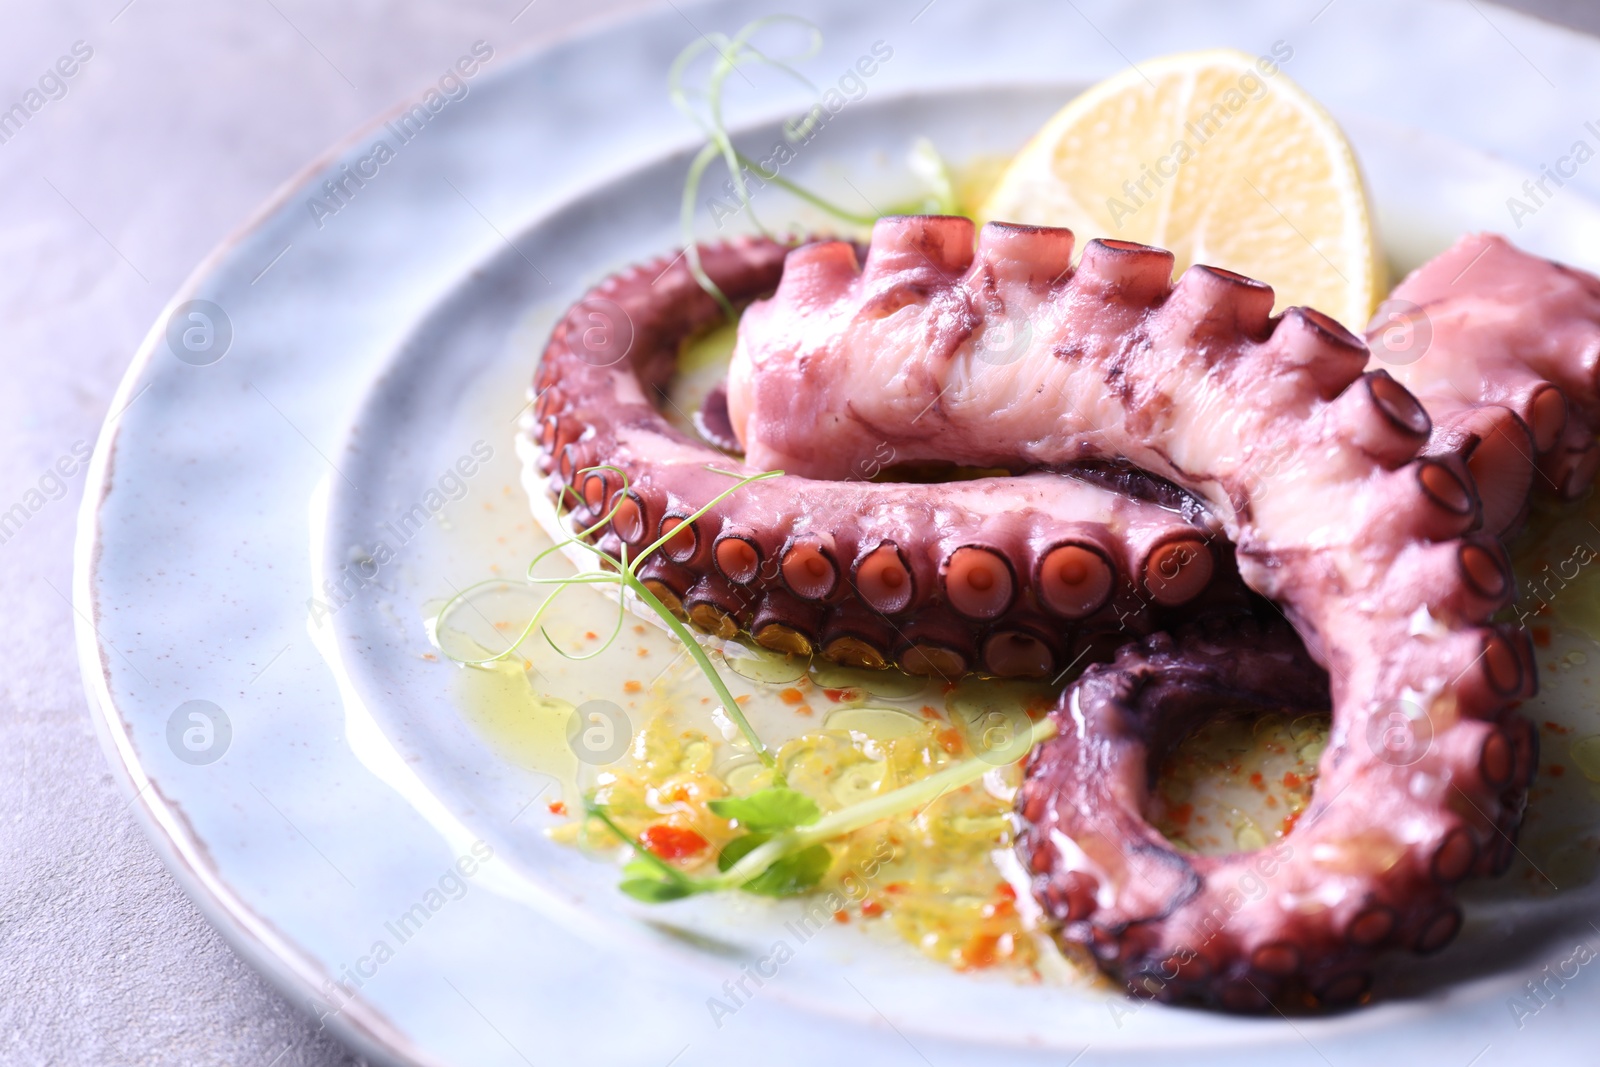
(1218, 157)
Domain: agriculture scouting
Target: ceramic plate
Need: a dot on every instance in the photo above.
(348, 371)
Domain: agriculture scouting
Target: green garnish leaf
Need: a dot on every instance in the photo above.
(768, 810)
(792, 875)
(787, 876)
(652, 867)
(656, 890)
(739, 848)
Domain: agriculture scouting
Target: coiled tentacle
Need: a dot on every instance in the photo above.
(1009, 576)
(1315, 468)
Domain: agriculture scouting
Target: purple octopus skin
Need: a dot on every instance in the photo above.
(1010, 576)
(1268, 938)
(1310, 464)
(1503, 350)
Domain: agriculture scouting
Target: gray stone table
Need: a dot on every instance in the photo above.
(182, 119)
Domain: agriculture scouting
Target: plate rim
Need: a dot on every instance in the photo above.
(271, 953)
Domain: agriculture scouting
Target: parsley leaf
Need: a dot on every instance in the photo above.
(792, 875)
(738, 849)
(786, 877)
(768, 811)
(656, 890)
(655, 883)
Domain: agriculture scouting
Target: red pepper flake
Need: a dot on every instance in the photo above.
(1292, 780)
(895, 887)
(1182, 814)
(1556, 728)
(1005, 889)
(791, 695)
(999, 908)
(1258, 781)
(929, 713)
(631, 686)
(591, 635)
(803, 709)
(834, 695)
(1290, 819)
(980, 951)
(557, 807)
(1556, 770)
(841, 916)
(871, 909)
(950, 740)
(672, 842)
(1541, 636)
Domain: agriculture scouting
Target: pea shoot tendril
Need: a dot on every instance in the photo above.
(704, 107)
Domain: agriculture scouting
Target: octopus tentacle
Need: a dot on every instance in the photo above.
(1296, 924)
(1313, 466)
(1012, 576)
(1503, 349)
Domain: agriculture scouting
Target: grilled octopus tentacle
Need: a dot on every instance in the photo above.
(1293, 924)
(1007, 356)
(1503, 349)
(1011, 576)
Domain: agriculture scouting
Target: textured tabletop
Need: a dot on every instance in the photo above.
(178, 119)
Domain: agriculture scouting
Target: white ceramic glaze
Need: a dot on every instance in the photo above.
(398, 334)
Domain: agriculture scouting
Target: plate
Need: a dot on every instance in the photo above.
(349, 370)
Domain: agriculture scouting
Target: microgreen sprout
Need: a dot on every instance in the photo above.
(733, 53)
(785, 851)
(622, 572)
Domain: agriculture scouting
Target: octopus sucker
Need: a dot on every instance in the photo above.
(1011, 576)
(883, 579)
(1074, 579)
(1365, 500)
